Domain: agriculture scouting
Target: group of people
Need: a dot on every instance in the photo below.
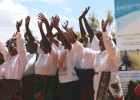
(61, 66)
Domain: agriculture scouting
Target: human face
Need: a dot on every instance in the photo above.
(43, 47)
(12, 48)
(101, 44)
(29, 48)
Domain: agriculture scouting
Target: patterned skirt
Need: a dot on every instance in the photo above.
(107, 86)
(27, 87)
(10, 89)
(45, 87)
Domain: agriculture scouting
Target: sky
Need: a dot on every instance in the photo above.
(14, 10)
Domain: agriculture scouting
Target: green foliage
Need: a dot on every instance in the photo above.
(94, 23)
(110, 16)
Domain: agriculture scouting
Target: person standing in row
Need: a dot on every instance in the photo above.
(86, 71)
(15, 62)
(45, 67)
(29, 74)
(69, 82)
(105, 62)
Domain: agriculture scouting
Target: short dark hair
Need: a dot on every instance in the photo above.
(98, 34)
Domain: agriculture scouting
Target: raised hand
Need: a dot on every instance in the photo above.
(104, 24)
(65, 25)
(42, 17)
(27, 21)
(84, 12)
(55, 21)
(71, 35)
(18, 25)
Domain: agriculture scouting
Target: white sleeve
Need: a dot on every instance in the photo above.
(111, 49)
(85, 53)
(95, 44)
(3, 49)
(109, 45)
(21, 49)
(88, 42)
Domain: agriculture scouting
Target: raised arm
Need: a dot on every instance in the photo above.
(44, 42)
(85, 53)
(108, 42)
(48, 29)
(45, 21)
(18, 25)
(82, 30)
(63, 37)
(20, 43)
(28, 34)
(32, 45)
(88, 28)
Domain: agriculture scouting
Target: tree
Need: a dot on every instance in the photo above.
(110, 16)
(93, 22)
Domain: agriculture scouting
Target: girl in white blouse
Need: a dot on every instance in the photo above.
(15, 62)
(105, 62)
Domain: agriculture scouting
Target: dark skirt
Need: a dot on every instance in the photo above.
(45, 87)
(10, 89)
(86, 83)
(27, 87)
(69, 91)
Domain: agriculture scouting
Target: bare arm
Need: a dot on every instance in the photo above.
(88, 28)
(45, 40)
(48, 28)
(28, 33)
(64, 39)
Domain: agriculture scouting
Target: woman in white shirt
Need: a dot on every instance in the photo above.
(105, 62)
(15, 62)
(69, 82)
(45, 67)
(29, 74)
(86, 71)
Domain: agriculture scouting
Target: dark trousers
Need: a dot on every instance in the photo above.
(69, 91)
(86, 83)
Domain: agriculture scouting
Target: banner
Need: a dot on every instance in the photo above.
(127, 15)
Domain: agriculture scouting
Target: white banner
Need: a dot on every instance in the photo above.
(127, 15)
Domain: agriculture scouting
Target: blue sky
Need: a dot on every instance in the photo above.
(13, 10)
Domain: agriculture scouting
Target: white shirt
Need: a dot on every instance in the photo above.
(2, 70)
(29, 69)
(47, 63)
(94, 45)
(15, 65)
(107, 60)
(67, 73)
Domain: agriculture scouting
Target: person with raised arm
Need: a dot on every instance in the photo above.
(45, 67)
(105, 62)
(49, 28)
(69, 82)
(29, 74)
(15, 62)
(85, 71)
